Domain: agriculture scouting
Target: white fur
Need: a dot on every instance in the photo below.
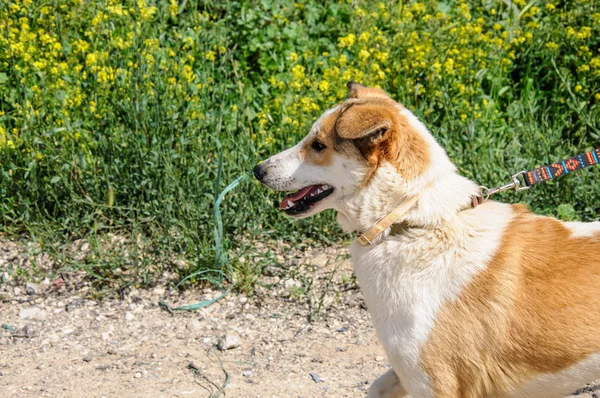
(584, 230)
(387, 386)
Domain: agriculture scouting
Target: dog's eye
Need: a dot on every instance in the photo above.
(318, 146)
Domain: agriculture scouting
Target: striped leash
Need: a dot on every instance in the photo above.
(545, 173)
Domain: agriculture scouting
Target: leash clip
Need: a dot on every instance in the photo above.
(514, 184)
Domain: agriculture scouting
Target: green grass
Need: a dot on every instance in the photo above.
(132, 120)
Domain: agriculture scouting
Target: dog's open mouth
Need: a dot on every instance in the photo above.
(301, 201)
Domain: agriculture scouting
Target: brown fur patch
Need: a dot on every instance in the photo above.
(365, 123)
(326, 136)
(534, 310)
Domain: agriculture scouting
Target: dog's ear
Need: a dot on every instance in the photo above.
(357, 90)
(371, 123)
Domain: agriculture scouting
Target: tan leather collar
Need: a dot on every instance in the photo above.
(372, 233)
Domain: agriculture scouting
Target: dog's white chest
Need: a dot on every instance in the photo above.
(402, 305)
(405, 281)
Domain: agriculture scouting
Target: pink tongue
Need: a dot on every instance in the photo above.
(295, 196)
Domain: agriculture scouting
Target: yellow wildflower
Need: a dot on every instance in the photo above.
(324, 86)
(173, 8)
(347, 41)
(293, 57)
(298, 72)
(210, 55)
(188, 73)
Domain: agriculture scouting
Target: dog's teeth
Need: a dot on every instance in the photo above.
(326, 187)
(290, 204)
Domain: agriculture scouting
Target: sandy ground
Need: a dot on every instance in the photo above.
(57, 342)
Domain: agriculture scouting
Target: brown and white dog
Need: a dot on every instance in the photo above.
(491, 301)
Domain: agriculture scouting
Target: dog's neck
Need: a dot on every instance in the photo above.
(442, 193)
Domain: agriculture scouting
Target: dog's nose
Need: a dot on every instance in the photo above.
(259, 172)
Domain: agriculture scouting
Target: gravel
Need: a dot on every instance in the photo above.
(64, 342)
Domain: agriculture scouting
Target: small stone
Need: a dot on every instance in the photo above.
(181, 265)
(228, 341)
(243, 300)
(53, 337)
(315, 377)
(379, 358)
(87, 358)
(17, 291)
(291, 283)
(74, 304)
(34, 313)
(29, 331)
(32, 288)
(5, 278)
(247, 373)
(340, 349)
(129, 316)
(138, 375)
(194, 325)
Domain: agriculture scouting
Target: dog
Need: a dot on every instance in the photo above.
(484, 301)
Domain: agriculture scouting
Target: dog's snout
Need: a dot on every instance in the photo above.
(259, 171)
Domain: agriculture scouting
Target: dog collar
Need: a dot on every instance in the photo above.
(367, 237)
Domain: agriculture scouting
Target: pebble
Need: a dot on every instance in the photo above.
(194, 325)
(17, 291)
(138, 375)
(247, 373)
(291, 283)
(315, 377)
(228, 341)
(87, 358)
(379, 358)
(32, 288)
(129, 316)
(34, 313)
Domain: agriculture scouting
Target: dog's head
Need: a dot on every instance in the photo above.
(347, 147)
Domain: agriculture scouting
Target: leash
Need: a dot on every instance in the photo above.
(545, 173)
(530, 178)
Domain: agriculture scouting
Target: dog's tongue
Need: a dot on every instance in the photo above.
(295, 196)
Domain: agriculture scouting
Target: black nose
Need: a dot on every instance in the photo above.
(259, 172)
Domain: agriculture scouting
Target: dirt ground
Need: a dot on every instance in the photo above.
(57, 342)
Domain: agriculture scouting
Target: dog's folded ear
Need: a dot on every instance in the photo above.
(367, 122)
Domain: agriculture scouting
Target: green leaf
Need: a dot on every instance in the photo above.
(3, 78)
(567, 212)
(54, 180)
